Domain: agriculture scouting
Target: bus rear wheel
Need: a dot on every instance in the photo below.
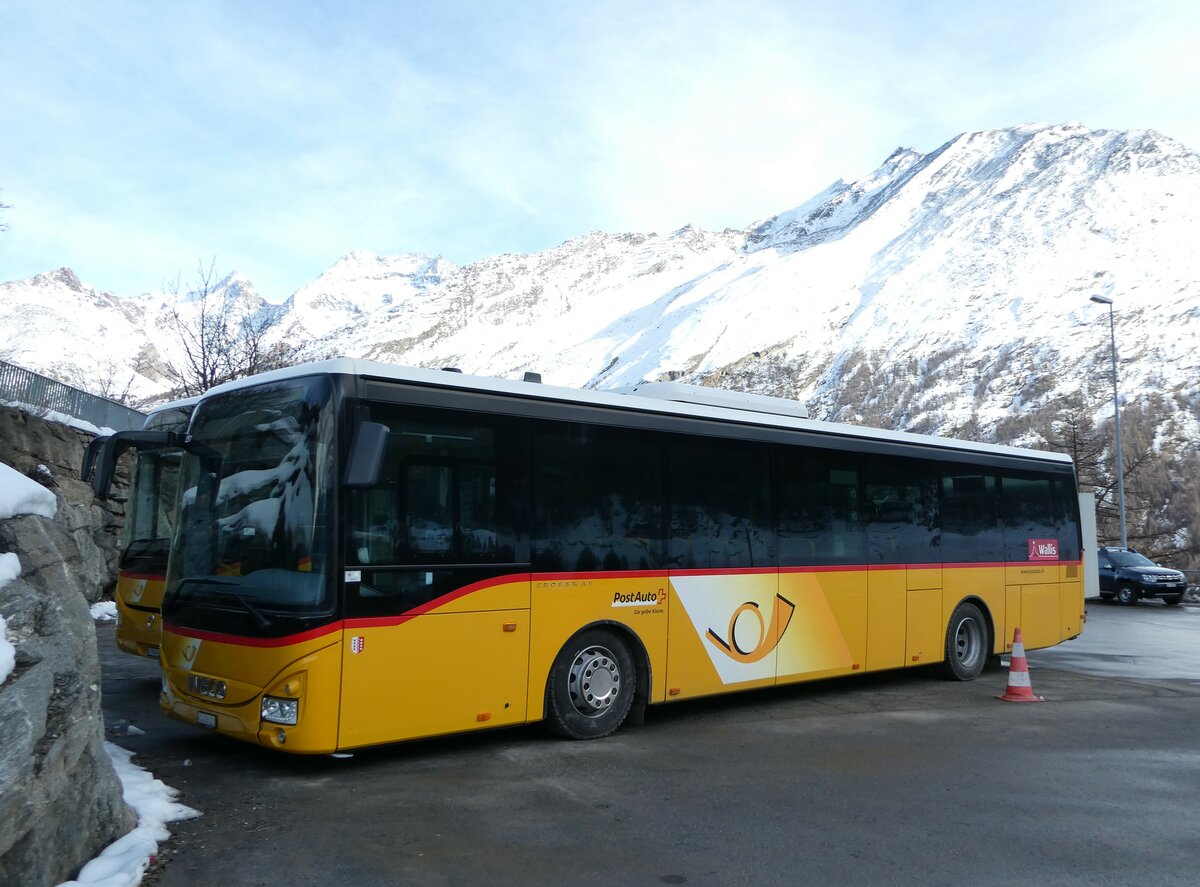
(966, 643)
(591, 685)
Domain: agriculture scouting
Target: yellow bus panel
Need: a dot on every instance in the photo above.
(887, 608)
(139, 626)
(925, 631)
(200, 688)
(828, 632)
(440, 672)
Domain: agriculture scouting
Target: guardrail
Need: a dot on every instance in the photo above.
(21, 386)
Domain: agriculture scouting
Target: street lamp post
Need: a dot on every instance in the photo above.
(1112, 336)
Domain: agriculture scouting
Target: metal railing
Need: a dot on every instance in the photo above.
(30, 389)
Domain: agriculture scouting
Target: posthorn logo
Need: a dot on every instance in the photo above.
(749, 638)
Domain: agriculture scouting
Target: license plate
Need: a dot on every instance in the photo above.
(152, 652)
(205, 719)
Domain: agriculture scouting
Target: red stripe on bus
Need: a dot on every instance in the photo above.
(243, 641)
(725, 571)
(401, 618)
(600, 574)
(423, 609)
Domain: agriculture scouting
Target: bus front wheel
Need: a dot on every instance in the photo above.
(591, 685)
(966, 643)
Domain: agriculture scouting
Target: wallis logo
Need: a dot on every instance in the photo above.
(749, 638)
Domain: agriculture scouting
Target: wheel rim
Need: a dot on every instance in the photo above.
(968, 642)
(1125, 595)
(594, 681)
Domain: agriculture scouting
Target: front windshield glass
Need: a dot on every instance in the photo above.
(150, 512)
(253, 536)
(1130, 559)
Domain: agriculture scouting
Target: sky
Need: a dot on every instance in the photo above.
(140, 140)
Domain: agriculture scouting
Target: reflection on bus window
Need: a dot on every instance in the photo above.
(436, 500)
(259, 524)
(598, 495)
(720, 494)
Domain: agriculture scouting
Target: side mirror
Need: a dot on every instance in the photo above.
(100, 458)
(366, 455)
(89, 458)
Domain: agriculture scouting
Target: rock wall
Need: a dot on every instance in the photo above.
(60, 800)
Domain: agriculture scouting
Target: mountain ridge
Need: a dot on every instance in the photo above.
(973, 247)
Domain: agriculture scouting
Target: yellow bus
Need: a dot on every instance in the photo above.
(146, 534)
(367, 553)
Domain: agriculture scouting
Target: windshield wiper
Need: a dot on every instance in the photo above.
(261, 619)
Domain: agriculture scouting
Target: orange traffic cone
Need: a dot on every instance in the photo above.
(1019, 687)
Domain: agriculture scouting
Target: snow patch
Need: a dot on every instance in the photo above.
(20, 495)
(8, 653)
(122, 863)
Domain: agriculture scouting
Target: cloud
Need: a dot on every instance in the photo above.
(280, 137)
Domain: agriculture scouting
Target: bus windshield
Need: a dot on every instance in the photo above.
(150, 512)
(251, 546)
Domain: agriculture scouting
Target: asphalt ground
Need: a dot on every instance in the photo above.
(902, 778)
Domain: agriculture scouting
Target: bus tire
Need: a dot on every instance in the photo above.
(966, 643)
(591, 685)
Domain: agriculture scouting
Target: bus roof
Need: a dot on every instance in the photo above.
(671, 399)
(182, 404)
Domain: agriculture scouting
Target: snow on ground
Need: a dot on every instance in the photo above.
(104, 611)
(122, 863)
(8, 653)
(20, 495)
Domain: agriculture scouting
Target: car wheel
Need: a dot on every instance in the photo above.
(1127, 594)
(591, 685)
(1171, 600)
(966, 643)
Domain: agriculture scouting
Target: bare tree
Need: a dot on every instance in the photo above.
(111, 372)
(1161, 505)
(220, 336)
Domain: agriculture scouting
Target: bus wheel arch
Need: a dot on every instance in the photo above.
(970, 640)
(598, 680)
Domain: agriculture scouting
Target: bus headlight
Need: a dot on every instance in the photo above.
(280, 711)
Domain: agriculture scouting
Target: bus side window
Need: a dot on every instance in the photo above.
(1027, 511)
(902, 520)
(720, 495)
(437, 500)
(428, 508)
(970, 523)
(819, 516)
(597, 499)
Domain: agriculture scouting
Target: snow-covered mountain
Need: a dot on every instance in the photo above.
(943, 291)
(56, 325)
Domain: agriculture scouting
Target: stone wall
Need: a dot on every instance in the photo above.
(60, 800)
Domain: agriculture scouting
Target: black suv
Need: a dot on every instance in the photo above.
(1128, 576)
